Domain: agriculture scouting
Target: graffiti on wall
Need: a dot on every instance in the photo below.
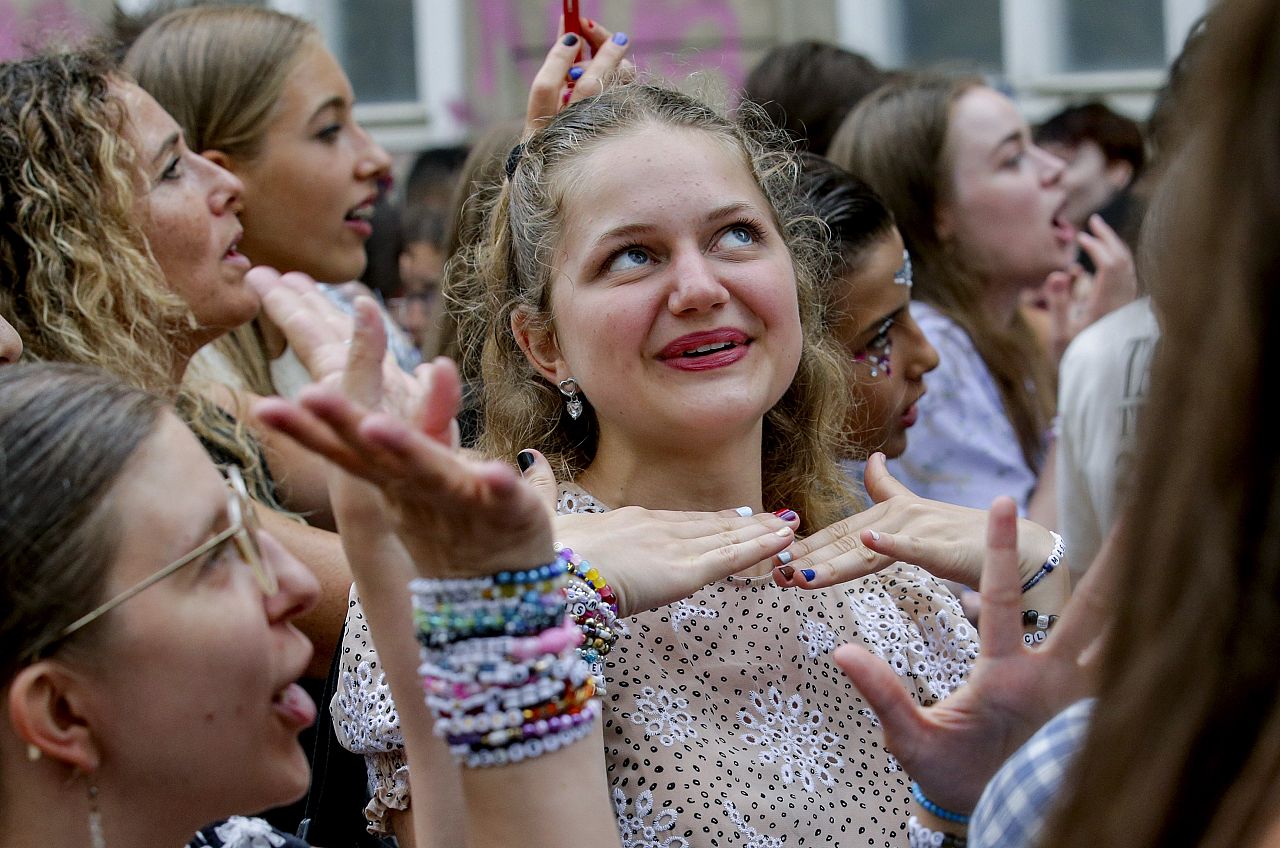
(27, 26)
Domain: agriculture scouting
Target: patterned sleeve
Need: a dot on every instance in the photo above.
(366, 722)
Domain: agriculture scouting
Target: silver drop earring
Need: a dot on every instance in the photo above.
(96, 837)
(572, 403)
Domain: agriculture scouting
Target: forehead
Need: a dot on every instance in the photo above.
(148, 123)
(165, 500)
(654, 176)
(981, 118)
(316, 79)
(869, 292)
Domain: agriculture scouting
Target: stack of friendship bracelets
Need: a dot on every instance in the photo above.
(507, 673)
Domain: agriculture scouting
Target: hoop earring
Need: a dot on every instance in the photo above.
(572, 403)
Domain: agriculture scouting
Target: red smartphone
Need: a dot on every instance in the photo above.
(573, 24)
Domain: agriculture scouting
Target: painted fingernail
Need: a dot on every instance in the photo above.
(575, 73)
(787, 571)
(591, 24)
(784, 532)
(525, 460)
(787, 514)
(745, 511)
(569, 40)
(809, 573)
(784, 558)
(619, 38)
(875, 535)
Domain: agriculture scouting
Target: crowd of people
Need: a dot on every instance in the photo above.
(744, 509)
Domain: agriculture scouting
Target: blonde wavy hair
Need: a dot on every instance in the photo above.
(512, 267)
(78, 279)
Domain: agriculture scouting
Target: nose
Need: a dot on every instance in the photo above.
(10, 343)
(226, 190)
(299, 590)
(695, 286)
(372, 163)
(920, 356)
(1051, 167)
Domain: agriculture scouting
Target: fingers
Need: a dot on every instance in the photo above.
(881, 485)
(441, 397)
(362, 377)
(900, 717)
(307, 430)
(537, 472)
(609, 53)
(841, 558)
(1086, 614)
(544, 94)
(1000, 626)
(939, 556)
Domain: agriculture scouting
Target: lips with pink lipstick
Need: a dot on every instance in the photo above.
(706, 350)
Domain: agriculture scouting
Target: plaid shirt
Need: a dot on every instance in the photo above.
(1018, 800)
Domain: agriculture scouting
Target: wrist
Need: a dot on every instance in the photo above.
(1047, 556)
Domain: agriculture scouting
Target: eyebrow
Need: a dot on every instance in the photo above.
(337, 101)
(626, 231)
(165, 146)
(1016, 135)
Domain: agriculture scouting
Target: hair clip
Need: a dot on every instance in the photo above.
(513, 159)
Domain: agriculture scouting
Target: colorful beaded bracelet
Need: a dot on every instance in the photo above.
(518, 751)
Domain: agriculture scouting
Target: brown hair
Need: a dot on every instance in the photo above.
(66, 434)
(512, 267)
(897, 140)
(807, 88)
(1184, 747)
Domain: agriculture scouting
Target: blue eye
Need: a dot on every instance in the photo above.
(737, 236)
(629, 258)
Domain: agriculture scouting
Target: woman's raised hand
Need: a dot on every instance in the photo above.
(1076, 299)
(656, 557)
(454, 516)
(944, 539)
(554, 86)
(954, 747)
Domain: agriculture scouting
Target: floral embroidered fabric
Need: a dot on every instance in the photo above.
(726, 722)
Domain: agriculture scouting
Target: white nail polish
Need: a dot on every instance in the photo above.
(785, 531)
(784, 557)
(875, 535)
(745, 511)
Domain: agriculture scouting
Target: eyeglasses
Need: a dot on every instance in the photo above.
(242, 529)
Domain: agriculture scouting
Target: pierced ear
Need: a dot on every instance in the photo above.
(47, 708)
(221, 159)
(539, 345)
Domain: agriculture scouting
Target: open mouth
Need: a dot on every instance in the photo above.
(233, 253)
(1063, 230)
(363, 212)
(707, 349)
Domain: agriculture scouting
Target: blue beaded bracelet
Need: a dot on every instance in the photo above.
(933, 809)
(1054, 560)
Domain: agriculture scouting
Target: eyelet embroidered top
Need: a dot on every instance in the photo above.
(727, 723)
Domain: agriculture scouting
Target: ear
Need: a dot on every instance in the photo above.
(47, 708)
(540, 346)
(221, 159)
(1119, 173)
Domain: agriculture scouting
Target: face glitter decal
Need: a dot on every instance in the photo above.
(879, 351)
(903, 275)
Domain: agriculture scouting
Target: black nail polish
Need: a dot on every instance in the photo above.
(569, 40)
(525, 460)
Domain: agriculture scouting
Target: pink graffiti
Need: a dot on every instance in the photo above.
(47, 22)
(667, 26)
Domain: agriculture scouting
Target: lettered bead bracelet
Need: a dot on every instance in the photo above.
(594, 608)
(1054, 560)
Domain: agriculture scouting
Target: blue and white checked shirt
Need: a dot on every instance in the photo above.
(1018, 800)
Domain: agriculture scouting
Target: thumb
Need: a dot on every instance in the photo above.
(537, 472)
(881, 485)
(362, 378)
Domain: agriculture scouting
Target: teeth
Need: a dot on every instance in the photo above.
(362, 213)
(708, 348)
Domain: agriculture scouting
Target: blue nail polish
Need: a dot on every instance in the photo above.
(575, 73)
(619, 38)
(785, 557)
(569, 40)
(809, 573)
